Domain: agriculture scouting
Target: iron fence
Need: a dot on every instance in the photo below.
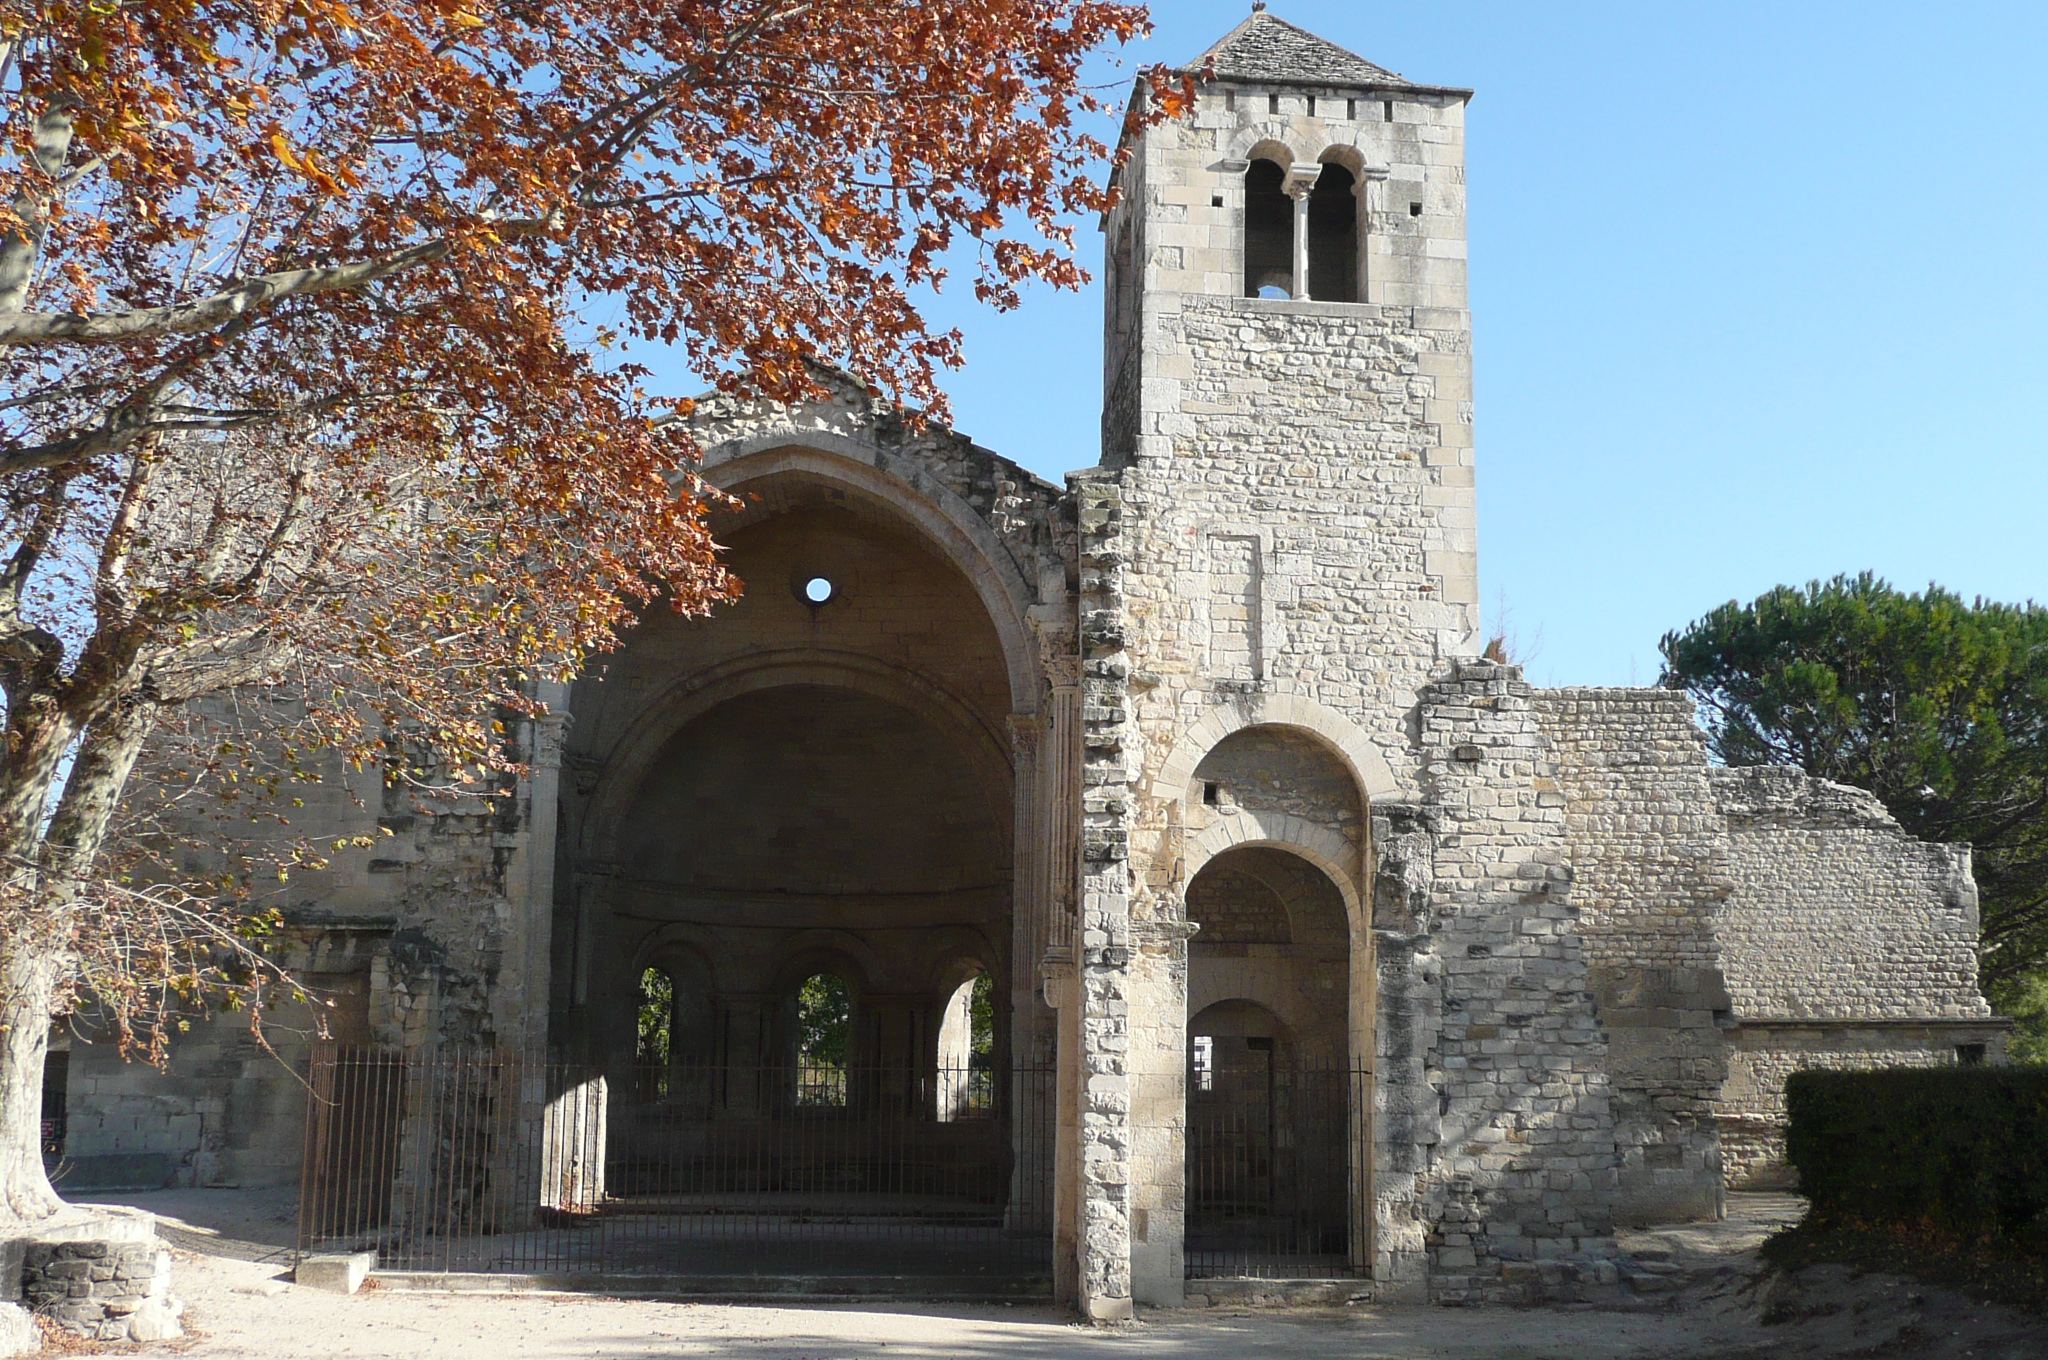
(1276, 1164)
(448, 1162)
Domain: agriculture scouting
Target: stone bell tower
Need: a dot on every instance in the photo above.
(1288, 342)
(1280, 537)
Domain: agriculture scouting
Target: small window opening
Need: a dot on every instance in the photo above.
(967, 1046)
(656, 1038)
(1272, 103)
(1333, 237)
(1268, 233)
(1230, 101)
(819, 589)
(824, 1033)
(1311, 106)
(1216, 200)
(1202, 1058)
(1970, 1055)
(1351, 110)
(1212, 793)
(1415, 210)
(1388, 108)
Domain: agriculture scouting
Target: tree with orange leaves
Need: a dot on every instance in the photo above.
(301, 388)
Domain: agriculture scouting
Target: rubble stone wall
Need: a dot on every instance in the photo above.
(1525, 1178)
(1648, 852)
(1848, 944)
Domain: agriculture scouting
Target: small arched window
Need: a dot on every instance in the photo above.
(1333, 236)
(824, 1039)
(655, 1040)
(967, 1040)
(1268, 233)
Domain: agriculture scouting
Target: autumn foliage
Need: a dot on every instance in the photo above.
(316, 366)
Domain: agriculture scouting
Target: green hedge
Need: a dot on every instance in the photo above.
(1962, 1147)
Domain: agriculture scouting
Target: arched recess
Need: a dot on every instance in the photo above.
(911, 494)
(1320, 846)
(640, 745)
(1279, 1097)
(1268, 231)
(1309, 976)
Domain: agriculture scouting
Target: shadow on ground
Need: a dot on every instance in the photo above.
(1721, 1303)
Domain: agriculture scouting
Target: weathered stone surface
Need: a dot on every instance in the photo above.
(1848, 944)
(97, 1273)
(336, 1272)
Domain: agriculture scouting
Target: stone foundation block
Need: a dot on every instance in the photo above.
(338, 1273)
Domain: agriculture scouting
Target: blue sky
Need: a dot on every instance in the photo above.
(1758, 290)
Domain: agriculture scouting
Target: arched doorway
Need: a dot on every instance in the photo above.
(1271, 1127)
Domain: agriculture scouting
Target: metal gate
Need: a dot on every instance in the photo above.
(480, 1162)
(1275, 1158)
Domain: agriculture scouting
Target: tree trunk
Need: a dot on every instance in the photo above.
(34, 955)
(28, 982)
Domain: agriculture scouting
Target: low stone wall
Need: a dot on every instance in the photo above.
(108, 1291)
(99, 1275)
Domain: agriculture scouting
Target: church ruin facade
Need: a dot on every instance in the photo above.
(1303, 940)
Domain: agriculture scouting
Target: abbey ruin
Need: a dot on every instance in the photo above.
(1343, 952)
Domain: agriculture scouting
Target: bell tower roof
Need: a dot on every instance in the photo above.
(1267, 50)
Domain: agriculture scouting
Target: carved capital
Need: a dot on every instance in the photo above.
(1301, 177)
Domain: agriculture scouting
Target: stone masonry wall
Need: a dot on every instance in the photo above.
(1102, 945)
(1649, 854)
(1524, 1185)
(1836, 912)
(1848, 944)
(102, 1291)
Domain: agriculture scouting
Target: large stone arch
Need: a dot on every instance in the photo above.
(914, 496)
(1328, 851)
(1280, 706)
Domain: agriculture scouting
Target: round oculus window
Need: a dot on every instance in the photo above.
(819, 589)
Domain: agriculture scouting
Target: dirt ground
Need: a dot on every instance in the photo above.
(1723, 1305)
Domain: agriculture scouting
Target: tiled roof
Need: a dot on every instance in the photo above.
(1271, 50)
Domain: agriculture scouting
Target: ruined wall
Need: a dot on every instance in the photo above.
(1847, 943)
(1648, 853)
(414, 940)
(1523, 1190)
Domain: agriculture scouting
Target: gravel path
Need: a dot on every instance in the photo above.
(241, 1307)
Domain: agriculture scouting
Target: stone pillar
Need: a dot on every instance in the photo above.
(1030, 900)
(1299, 184)
(1101, 1003)
(522, 1022)
(1368, 194)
